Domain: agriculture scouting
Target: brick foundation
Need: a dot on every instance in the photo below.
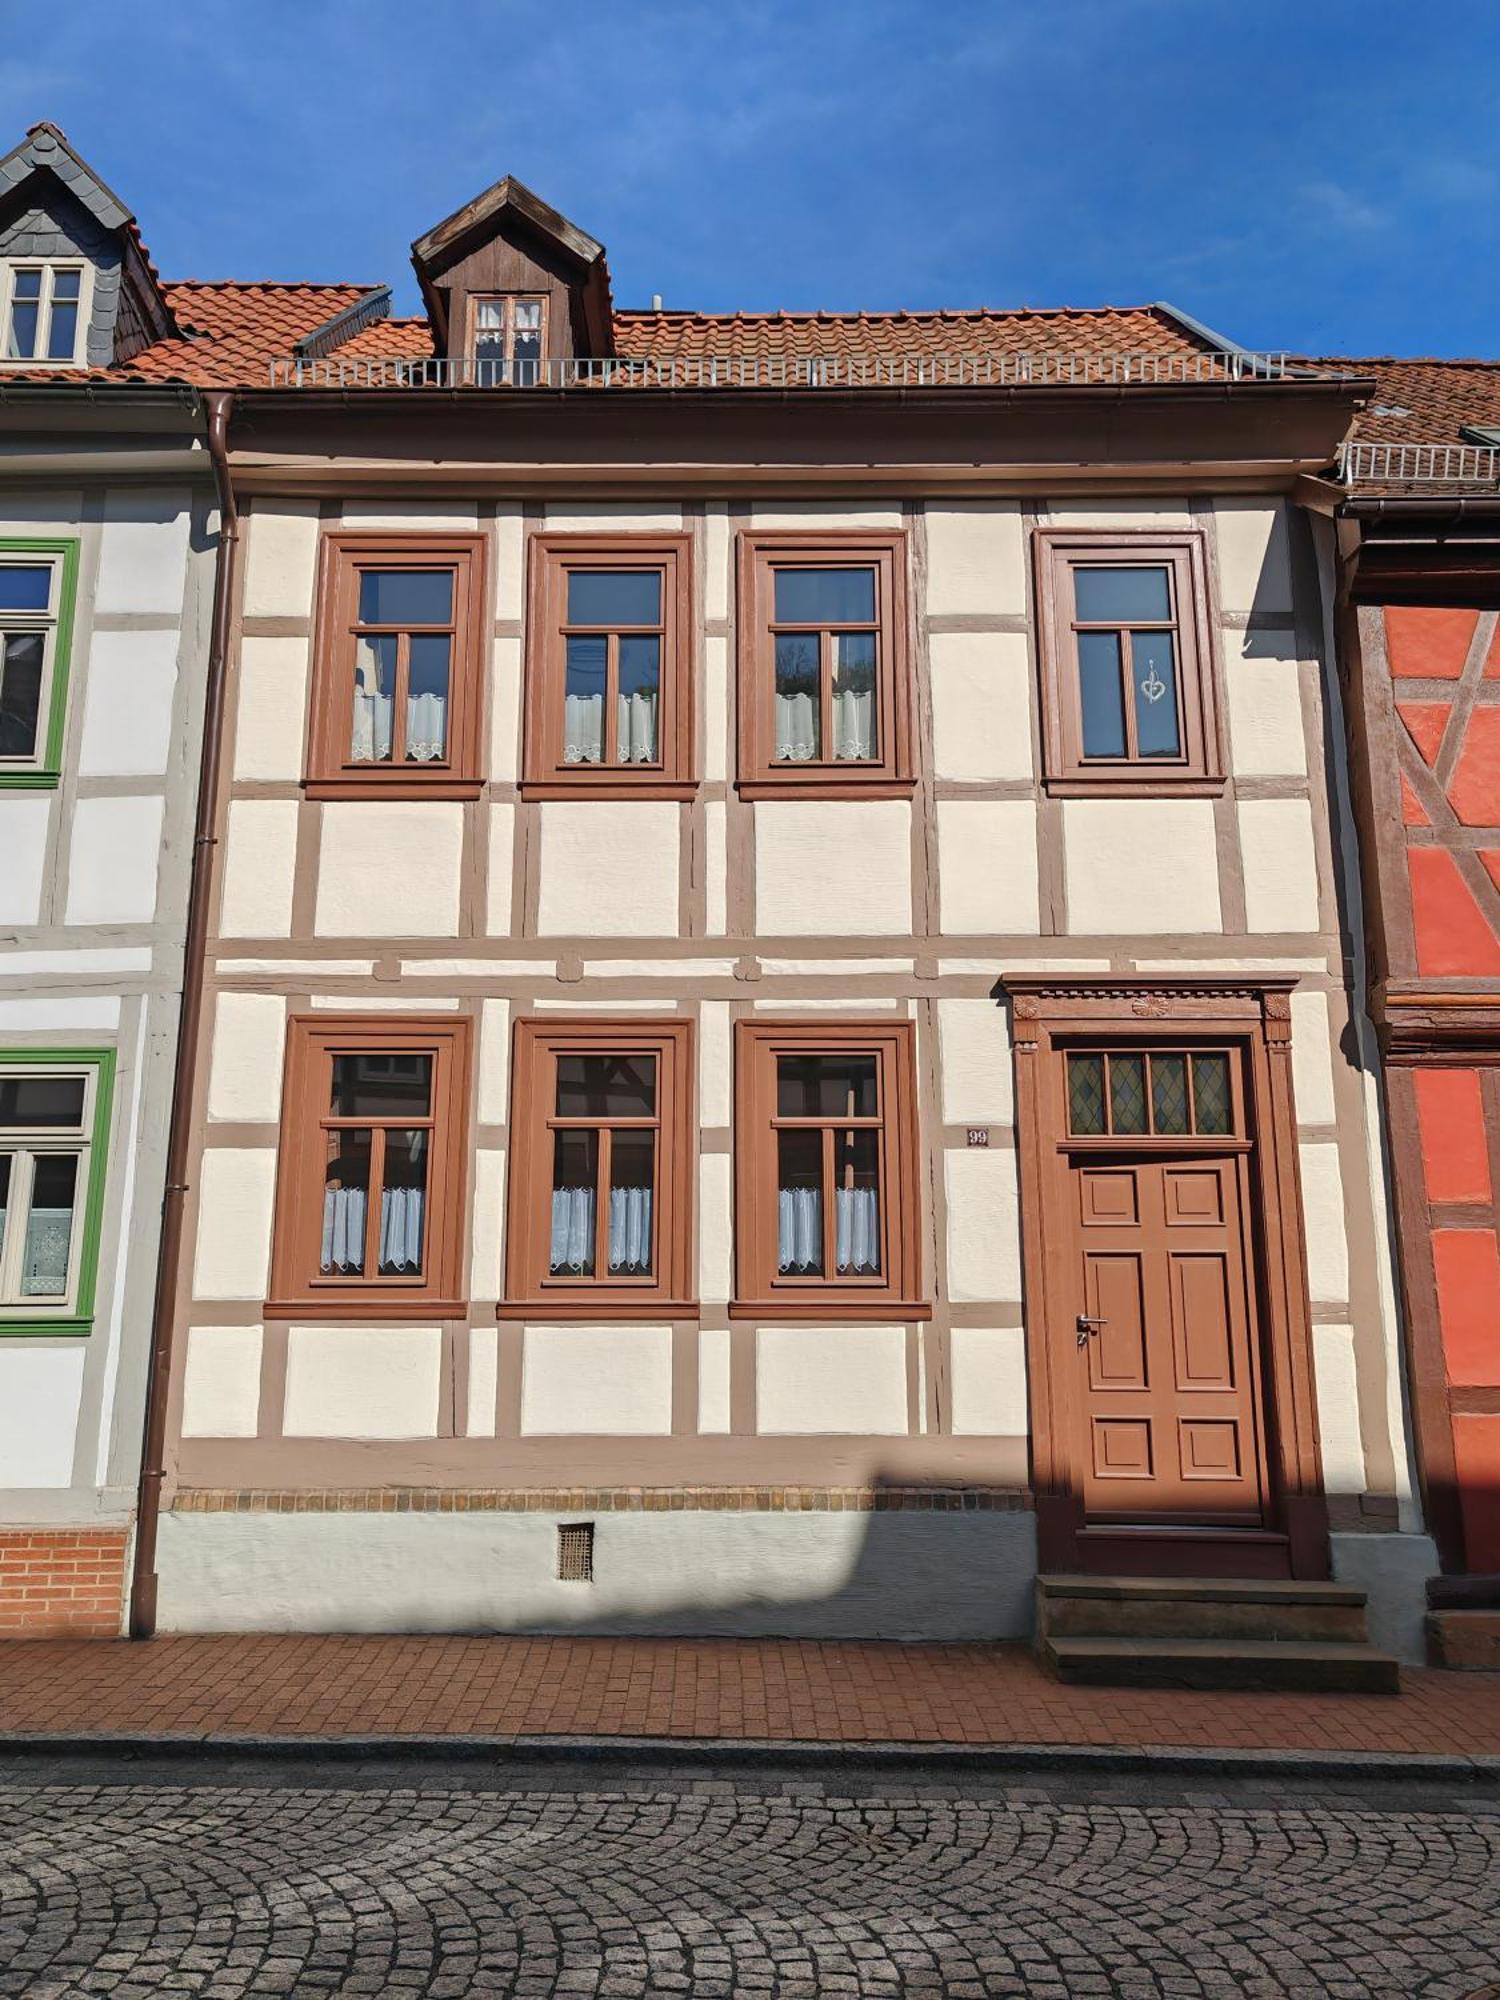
(62, 1582)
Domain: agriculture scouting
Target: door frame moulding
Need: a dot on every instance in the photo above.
(1254, 1014)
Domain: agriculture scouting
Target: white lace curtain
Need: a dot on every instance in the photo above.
(426, 728)
(344, 1211)
(49, 1232)
(853, 726)
(856, 1230)
(629, 1229)
(635, 729)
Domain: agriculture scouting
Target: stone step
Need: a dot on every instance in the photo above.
(1222, 1663)
(1199, 1608)
(1464, 1641)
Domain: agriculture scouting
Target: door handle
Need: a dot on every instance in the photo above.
(1086, 1326)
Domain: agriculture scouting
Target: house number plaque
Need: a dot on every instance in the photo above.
(979, 1135)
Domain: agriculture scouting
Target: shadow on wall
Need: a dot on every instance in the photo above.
(920, 1562)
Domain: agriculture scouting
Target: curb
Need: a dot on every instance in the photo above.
(721, 1753)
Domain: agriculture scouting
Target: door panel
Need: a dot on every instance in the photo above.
(1117, 1351)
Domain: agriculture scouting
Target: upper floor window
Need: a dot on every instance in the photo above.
(36, 606)
(397, 667)
(53, 1120)
(609, 702)
(824, 704)
(43, 307)
(507, 337)
(370, 1203)
(1129, 696)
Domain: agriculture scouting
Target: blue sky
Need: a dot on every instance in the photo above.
(1314, 174)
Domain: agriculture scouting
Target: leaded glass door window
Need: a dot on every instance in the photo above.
(1139, 1094)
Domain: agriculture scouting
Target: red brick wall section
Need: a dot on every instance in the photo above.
(62, 1581)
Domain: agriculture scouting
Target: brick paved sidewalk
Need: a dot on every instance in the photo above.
(842, 1692)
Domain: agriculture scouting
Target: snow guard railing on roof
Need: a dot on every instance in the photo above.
(776, 371)
(1433, 465)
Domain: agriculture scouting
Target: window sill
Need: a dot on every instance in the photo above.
(614, 786)
(603, 1306)
(824, 785)
(39, 1326)
(832, 1305)
(376, 1305)
(398, 785)
(1146, 785)
(30, 781)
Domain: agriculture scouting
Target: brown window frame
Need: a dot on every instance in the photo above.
(1199, 770)
(760, 1291)
(760, 776)
(298, 1291)
(544, 772)
(531, 1290)
(331, 773)
(471, 335)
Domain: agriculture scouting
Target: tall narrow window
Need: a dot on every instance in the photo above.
(1125, 637)
(43, 306)
(398, 667)
(53, 1120)
(609, 667)
(601, 1170)
(370, 1213)
(508, 338)
(823, 697)
(825, 1167)
(36, 607)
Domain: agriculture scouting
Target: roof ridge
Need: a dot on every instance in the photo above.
(272, 284)
(881, 313)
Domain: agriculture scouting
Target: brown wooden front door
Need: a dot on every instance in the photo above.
(1167, 1389)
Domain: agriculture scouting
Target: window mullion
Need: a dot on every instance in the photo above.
(825, 697)
(601, 1204)
(830, 1197)
(610, 730)
(375, 1201)
(18, 1214)
(398, 700)
(1127, 671)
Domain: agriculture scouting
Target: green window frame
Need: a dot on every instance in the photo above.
(43, 772)
(78, 1317)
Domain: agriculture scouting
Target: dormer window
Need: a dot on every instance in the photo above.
(507, 331)
(43, 311)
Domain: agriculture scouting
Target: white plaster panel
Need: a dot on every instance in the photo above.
(715, 1064)
(487, 1260)
(75, 961)
(833, 868)
(715, 707)
(502, 848)
(608, 517)
(113, 860)
(35, 506)
(484, 1369)
(491, 970)
(830, 1379)
(259, 864)
(272, 705)
(389, 870)
(420, 516)
(1323, 1220)
(92, 1010)
(827, 514)
(1141, 865)
(984, 1224)
(1121, 513)
(127, 709)
(716, 559)
(989, 1381)
(975, 1071)
(385, 1003)
(1254, 559)
(40, 1392)
(510, 560)
(854, 967)
(715, 1238)
(981, 704)
(713, 1381)
(244, 1077)
(676, 970)
(987, 867)
(781, 1003)
(281, 559)
(1266, 734)
(142, 551)
(297, 968)
(494, 1062)
(362, 1381)
(1338, 1409)
(1312, 1059)
(1280, 864)
(604, 1381)
(505, 711)
(221, 1381)
(236, 1194)
(716, 867)
(23, 843)
(976, 558)
(608, 868)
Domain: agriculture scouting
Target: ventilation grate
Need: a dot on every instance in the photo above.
(575, 1552)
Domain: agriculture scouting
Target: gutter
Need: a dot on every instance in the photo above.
(218, 405)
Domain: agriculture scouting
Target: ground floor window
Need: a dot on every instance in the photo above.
(54, 1123)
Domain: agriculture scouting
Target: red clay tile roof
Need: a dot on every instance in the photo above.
(1423, 401)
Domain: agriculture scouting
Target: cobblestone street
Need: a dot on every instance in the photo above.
(574, 1882)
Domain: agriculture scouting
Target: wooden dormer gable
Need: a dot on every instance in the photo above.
(508, 244)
